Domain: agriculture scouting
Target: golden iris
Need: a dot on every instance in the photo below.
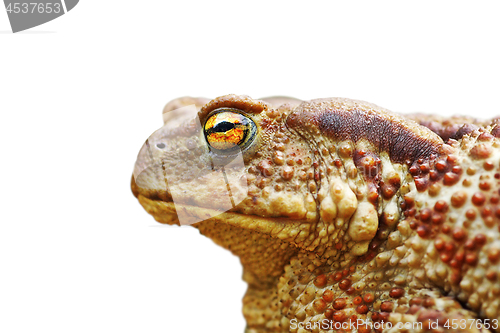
(226, 129)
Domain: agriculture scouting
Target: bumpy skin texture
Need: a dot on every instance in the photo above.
(354, 212)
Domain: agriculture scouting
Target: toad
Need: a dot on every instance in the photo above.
(345, 216)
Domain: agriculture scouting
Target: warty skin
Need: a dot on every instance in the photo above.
(351, 212)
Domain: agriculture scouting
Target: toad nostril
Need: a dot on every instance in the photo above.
(160, 145)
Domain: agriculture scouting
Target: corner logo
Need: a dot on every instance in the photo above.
(28, 14)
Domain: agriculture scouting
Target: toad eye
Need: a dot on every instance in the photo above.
(227, 129)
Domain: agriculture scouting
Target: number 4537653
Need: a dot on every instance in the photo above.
(34, 7)
(478, 323)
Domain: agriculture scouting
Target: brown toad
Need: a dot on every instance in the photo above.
(344, 215)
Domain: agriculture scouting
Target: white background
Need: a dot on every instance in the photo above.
(79, 96)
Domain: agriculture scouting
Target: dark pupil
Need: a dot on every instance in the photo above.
(223, 127)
